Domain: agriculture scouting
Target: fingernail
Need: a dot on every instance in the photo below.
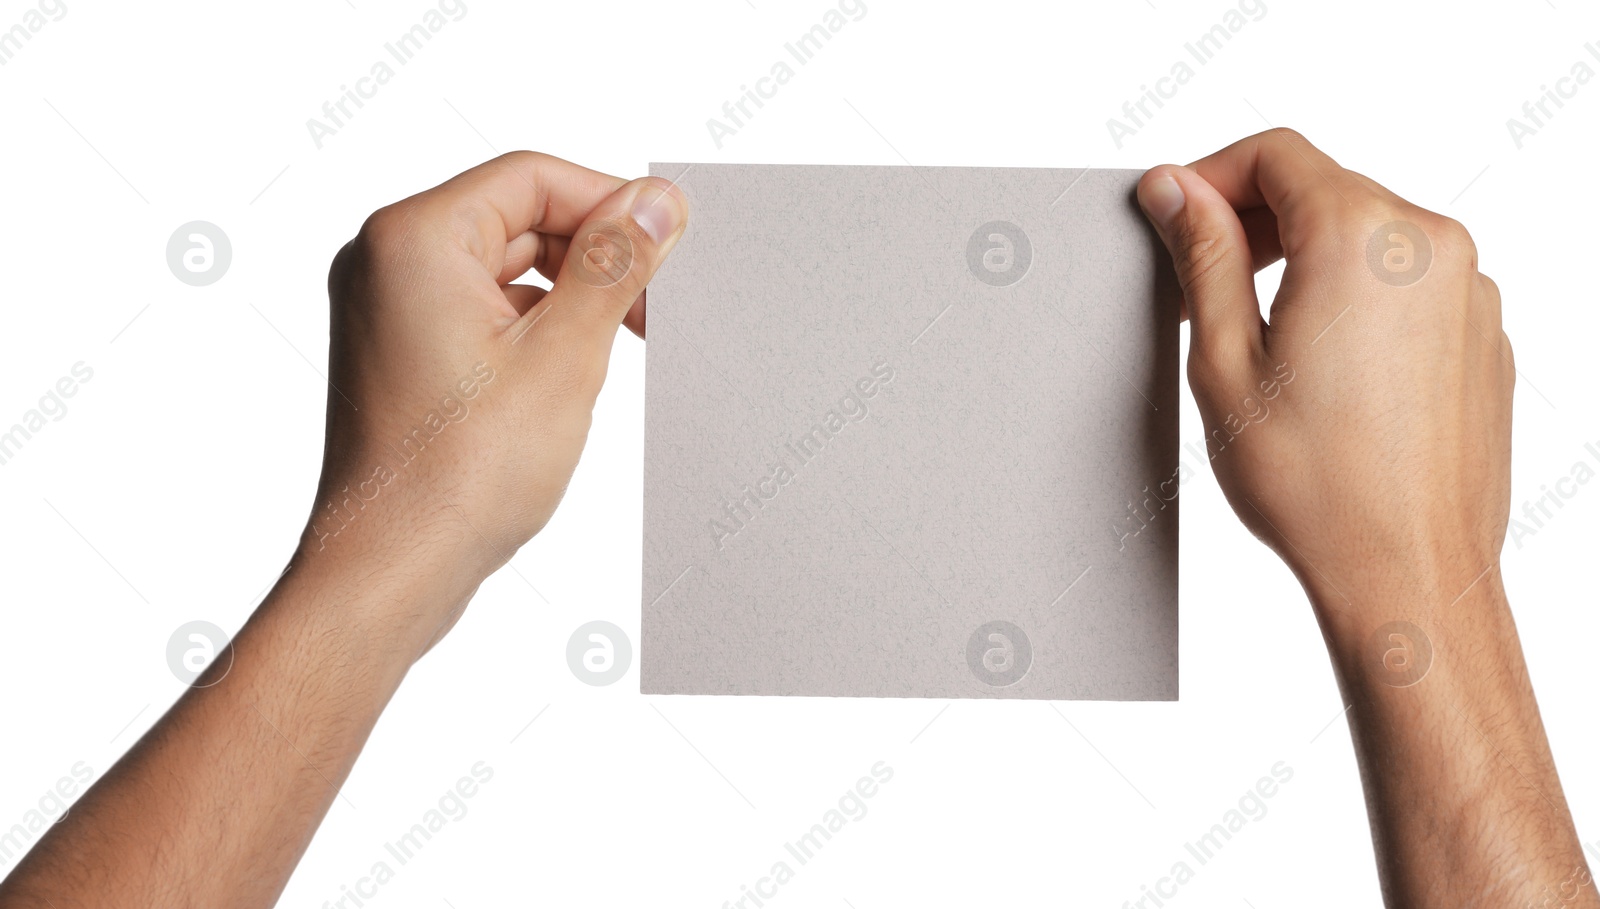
(1162, 199)
(656, 209)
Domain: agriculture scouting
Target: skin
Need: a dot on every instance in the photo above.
(1381, 477)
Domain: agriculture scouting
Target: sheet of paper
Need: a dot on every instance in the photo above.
(911, 432)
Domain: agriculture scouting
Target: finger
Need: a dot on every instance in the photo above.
(1483, 307)
(1487, 293)
(531, 250)
(523, 297)
(499, 200)
(1261, 231)
(634, 320)
(611, 257)
(519, 256)
(1211, 253)
(1280, 170)
(1261, 228)
(543, 253)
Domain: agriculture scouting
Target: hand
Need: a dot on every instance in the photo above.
(1365, 434)
(457, 407)
(1369, 423)
(459, 402)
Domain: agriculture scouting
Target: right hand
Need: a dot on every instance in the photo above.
(1367, 428)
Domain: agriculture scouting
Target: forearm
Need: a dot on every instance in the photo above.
(1463, 796)
(216, 804)
(430, 483)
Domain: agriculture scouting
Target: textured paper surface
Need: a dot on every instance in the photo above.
(911, 432)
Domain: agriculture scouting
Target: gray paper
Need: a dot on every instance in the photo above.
(911, 432)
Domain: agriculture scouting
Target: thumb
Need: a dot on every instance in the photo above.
(610, 258)
(1211, 253)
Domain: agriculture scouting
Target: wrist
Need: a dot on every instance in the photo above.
(385, 597)
(1393, 582)
(1392, 629)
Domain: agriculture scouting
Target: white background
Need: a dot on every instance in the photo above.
(186, 465)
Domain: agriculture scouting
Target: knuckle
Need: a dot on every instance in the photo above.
(342, 267)
(1371, 210)
(454, 215)
(1201, 259)
(1201, 256)
(387, 239)
(1290, 135)
(1449, 237)
(1373, 196)
(523, 158)
(387, 231)
(1491, 290)
(1372, 216)
(380, 237)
